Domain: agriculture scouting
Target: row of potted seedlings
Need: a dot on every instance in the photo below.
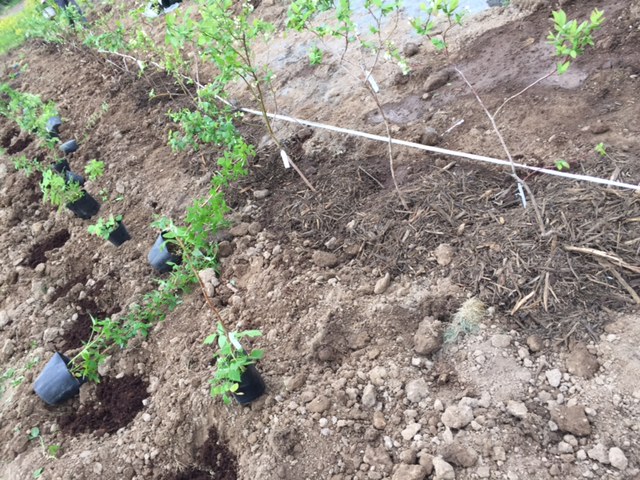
(62, 377)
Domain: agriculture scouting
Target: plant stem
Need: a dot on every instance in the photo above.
(507, 152)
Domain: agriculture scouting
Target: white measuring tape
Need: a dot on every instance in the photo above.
(444, 151)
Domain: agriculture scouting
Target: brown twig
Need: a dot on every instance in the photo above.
(514, 174)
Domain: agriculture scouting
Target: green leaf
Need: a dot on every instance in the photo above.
(34, 433)
(210, 339)
(38, 473)
(563, 67)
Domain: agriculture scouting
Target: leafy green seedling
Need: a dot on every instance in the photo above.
(562, 165)
(27, 166)
(38, 473)
(94, 169)
(34, 433)
(57, 191)
(601, 149)
(315, 55)
(571, 39)
(104, 228)
(231, 360)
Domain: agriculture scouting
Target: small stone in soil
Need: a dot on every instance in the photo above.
(409, 472)
(444, 254)
(457, 417)
(571, 419)
(581, 362)
(410, 49)
(382, 284)
(517, 409)
(443, 470)
(554, 377)
(535, 343)
(260, 194)
(618, 459)
(417, 390)
(436, 80)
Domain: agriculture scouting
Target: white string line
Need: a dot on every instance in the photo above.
(444, 151)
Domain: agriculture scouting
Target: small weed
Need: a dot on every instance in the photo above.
(104, 228)
(562, 165)
(601, 149)
(94, 169)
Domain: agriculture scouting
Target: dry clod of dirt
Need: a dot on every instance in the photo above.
(581, 362)
(239, 230)
(444, 254)
(325, 259)
(429, 337)
(430, 137)
(382, 284)
(501, 340)
(261, 194)
(409, 472)
(436, 80)
(535, 343)
(410, 49)
(571, 419)
(599, 453)
(459, 455)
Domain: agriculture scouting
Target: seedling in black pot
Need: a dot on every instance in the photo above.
(62, 191)
(235, 371)
(111, 229)
(53, 126)
(62, 377)
(163, 255)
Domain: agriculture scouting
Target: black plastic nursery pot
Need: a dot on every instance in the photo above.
(61, 166)
(56, 384)
(69, 147)
(119, 235)
(160, 257)
(251, 386)
(85, 208)
(74, 177)
(53, 126)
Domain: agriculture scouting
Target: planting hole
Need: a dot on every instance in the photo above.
(38, 251)
(215, 462)
(118, 401)
(18, 144)
(7, 136)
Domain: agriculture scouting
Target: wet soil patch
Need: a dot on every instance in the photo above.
(57, 240)
(118, 401)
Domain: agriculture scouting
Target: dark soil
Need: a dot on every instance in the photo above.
(217, 456)
(118, 401)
